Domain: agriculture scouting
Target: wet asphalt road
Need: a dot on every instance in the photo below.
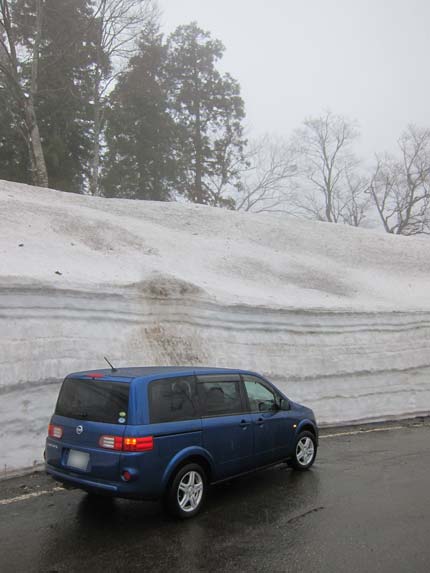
(364, 507)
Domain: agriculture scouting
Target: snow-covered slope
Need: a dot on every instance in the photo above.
(337, 317)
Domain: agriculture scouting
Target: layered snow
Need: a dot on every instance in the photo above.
(338, 317)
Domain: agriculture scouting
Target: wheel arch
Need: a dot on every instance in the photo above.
(188, 456)
(307, 426)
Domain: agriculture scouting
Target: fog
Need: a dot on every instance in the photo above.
(365, 59)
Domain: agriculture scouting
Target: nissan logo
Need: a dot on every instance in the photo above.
(79, 430)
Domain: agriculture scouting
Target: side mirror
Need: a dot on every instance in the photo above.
(284, 404)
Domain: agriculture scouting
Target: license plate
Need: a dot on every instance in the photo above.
(78, 460)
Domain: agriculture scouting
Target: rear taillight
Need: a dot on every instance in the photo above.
(141, 444)
(55, 431)
(138, 444)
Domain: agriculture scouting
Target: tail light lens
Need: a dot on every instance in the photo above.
(55, 431)
(145, 444)
(140, 444)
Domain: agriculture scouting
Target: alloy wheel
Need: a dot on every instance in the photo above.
(305, 450)
(190, 491)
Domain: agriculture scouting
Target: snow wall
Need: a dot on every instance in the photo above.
(338, 317)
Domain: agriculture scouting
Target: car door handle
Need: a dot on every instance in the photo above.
(243, 424)
(260, 422)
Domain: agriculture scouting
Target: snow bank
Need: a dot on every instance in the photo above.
(337, 317)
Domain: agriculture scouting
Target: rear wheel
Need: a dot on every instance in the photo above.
(187, 491)
(305, 451)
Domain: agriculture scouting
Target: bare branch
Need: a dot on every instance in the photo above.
(268, 176)
(118, 24)
(400, 188)
(329, 189)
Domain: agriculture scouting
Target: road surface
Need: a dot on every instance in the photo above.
(365, 507)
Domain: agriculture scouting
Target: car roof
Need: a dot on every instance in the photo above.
(150, 371)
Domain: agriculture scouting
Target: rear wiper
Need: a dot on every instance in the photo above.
(83, 415)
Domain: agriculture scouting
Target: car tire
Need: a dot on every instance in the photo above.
(305, 451)
(186, 493)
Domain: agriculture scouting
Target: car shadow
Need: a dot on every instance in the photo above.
(100, 525)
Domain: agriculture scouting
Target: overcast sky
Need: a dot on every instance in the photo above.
(367, 59)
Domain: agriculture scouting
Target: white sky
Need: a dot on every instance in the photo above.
(367, 59)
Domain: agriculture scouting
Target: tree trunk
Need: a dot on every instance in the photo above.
(24, 101)
(37, 159)
(95, 160)
(329, 197)
(198, 187)
(98, 111)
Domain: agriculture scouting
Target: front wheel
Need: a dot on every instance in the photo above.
(305, 451)
(187, 491)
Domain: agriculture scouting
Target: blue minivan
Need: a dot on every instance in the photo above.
(168, 432)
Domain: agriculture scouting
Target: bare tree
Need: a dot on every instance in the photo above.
(358, 202)
(400, 187)
(268, 176)
(117, 26)
(22, 94)
(329, 189)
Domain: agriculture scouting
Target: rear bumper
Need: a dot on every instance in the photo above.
(80, 482)
(105, 471)
(131, 490)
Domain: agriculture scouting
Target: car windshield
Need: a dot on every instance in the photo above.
(93, 400)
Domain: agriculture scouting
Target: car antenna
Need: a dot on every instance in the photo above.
(112, 367)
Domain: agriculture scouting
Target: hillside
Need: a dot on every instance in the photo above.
(338, 317)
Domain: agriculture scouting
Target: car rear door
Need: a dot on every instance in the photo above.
(226, 426)
(86, 410)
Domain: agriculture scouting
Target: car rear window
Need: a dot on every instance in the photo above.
(93, 400)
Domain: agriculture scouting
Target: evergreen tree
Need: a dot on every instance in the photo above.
(14, 164)
(19, 72)
(139, 163)
(62, 99)
(116, 26)
(64, 105)
(208, 111)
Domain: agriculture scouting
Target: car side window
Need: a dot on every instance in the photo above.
(261, 398)
(173, 399)
(219, 395)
